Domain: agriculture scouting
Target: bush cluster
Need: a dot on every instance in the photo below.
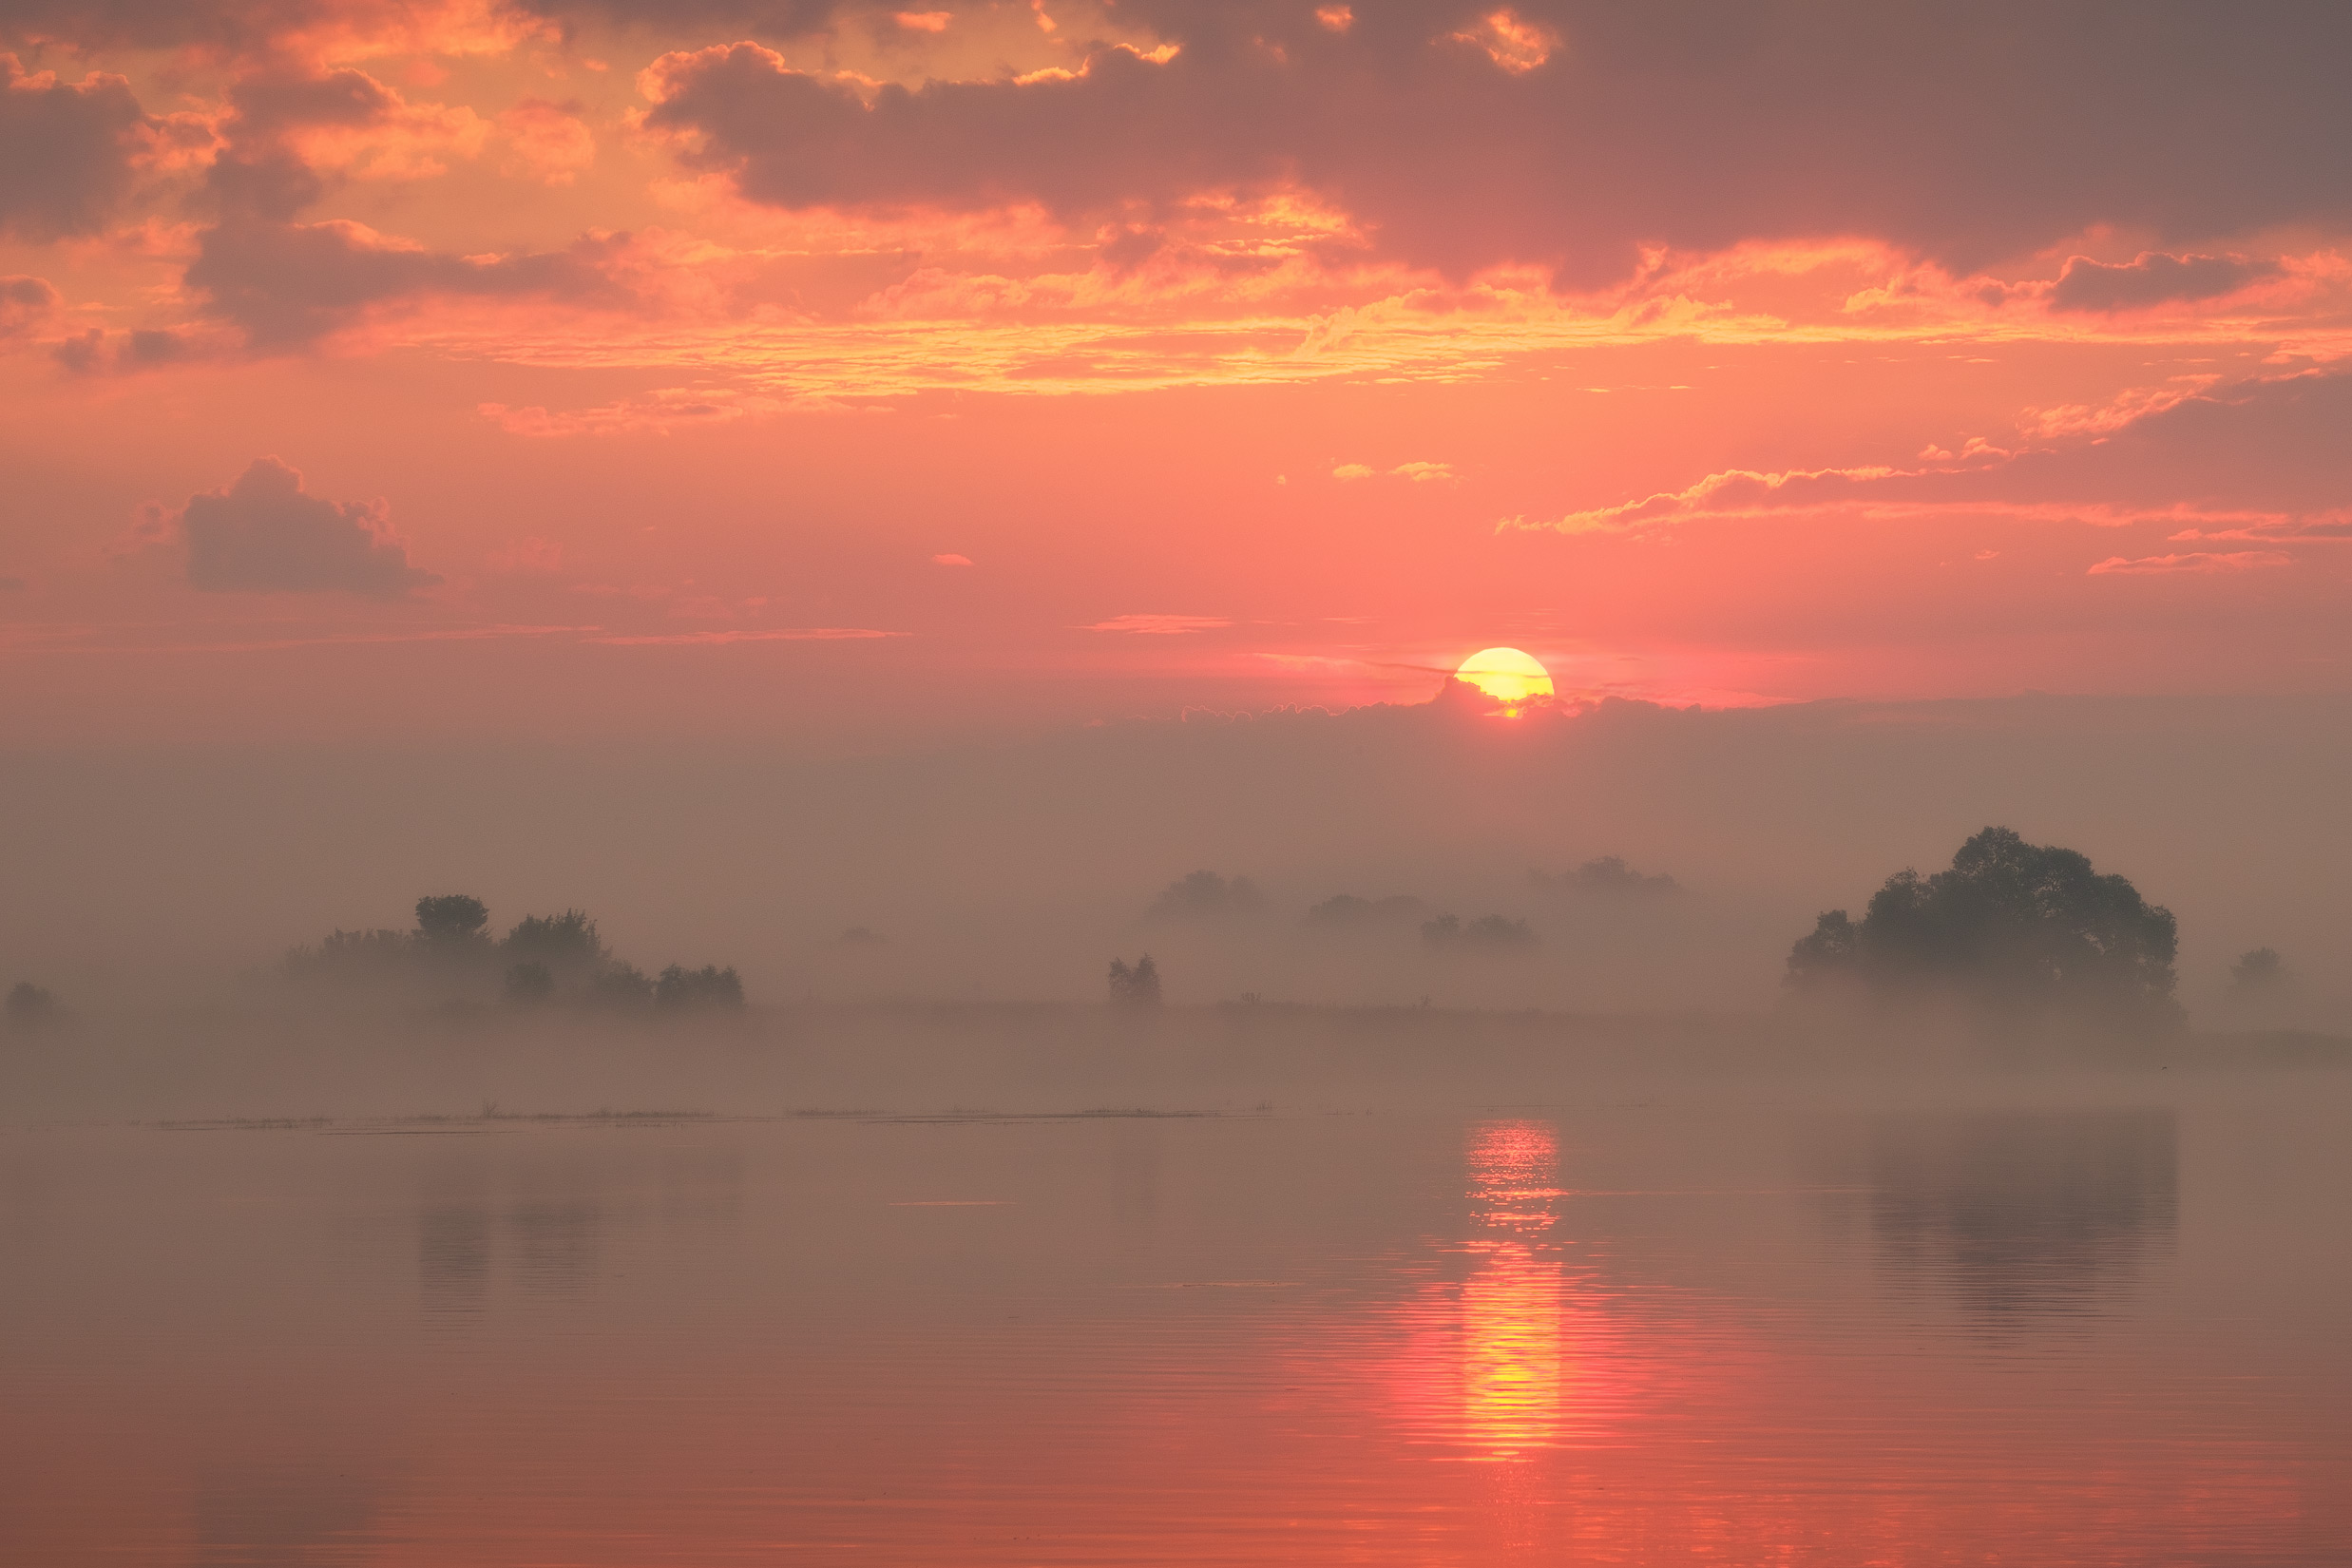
(542, 959)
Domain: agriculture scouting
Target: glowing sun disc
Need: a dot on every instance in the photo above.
(1506, 674)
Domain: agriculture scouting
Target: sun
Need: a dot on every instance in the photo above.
(1508, 676)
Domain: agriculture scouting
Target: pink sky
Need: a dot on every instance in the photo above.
(589, 367)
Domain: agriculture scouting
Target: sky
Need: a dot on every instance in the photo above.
(432, 370)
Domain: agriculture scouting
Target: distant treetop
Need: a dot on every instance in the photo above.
(2261, 977)
(1344, 912)
(449, 957)
(2010, 926)
(1137, 987)
(1492, 934)
(450, 918)
(29, 1007)
(1607, 875)
(1205, 895)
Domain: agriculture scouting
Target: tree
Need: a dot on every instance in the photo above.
(1205, 895)
(1608, 876)
(354, 957)
(1137, 987)
(1492, 934)
(1346, 912)
(450, 920)
(1829, 954)
(2012, 926)
(679, 989)
(2261, 977)
(622, 985)
(528, 983)
(565, 945)
(30, 1007)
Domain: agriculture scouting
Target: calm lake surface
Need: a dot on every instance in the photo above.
(1667, 1325)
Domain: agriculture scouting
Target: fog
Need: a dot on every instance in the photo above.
(1424, 876)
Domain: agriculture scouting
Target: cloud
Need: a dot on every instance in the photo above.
(25, 303)
(288, 284)
(1511, 41)
(1732, 492)
(346, 121)
(1690, 126)
(1419, 474)
(274, 30)
(952, 561)
(759, 18)
(2266, 459)
(2153, 278)
(1158, 625)
(2195, 563)
(96, 352)
(527, 557)
(13, 584)
(350, 30)
(265, 534)
(66, 151)
(2329, 527)
(778, 634)
(552, 141)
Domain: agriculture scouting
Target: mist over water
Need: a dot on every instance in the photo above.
(1016, 871)
(1648, 1321)
(1465, 1186)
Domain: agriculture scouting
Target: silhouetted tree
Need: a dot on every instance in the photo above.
(1346, 912)
(2261, 976)
(1137, 987)
(1205, 895)
(565, 945)
(1608, 876)
(1831, 953)
(450, 920)
(528, 983)
(2013, 927)
(620, 985)
(1492, 934)
(354, 956)
(679, 989)
(29, 1007)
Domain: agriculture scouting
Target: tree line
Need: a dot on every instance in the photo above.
(542, 959)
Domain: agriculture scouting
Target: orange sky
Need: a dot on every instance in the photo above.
(599, 366)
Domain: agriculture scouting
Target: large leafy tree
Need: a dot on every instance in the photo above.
(2012, 926)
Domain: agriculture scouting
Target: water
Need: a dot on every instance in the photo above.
(1653, 1327)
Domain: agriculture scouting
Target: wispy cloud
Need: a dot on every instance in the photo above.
(1420, 473)
(1158, 625)
(2194, 562)
(108, 638)
(779, 634)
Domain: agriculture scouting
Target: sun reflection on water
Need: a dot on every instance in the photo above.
(1509, 1359)
(1514, 1368)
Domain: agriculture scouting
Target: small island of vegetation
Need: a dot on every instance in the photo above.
(450, 955)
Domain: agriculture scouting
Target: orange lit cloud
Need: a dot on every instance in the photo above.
(266, 534)
(1775, 387)
(1158, 625)
(549, 141)
(2195, 563)
(1511, 41)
